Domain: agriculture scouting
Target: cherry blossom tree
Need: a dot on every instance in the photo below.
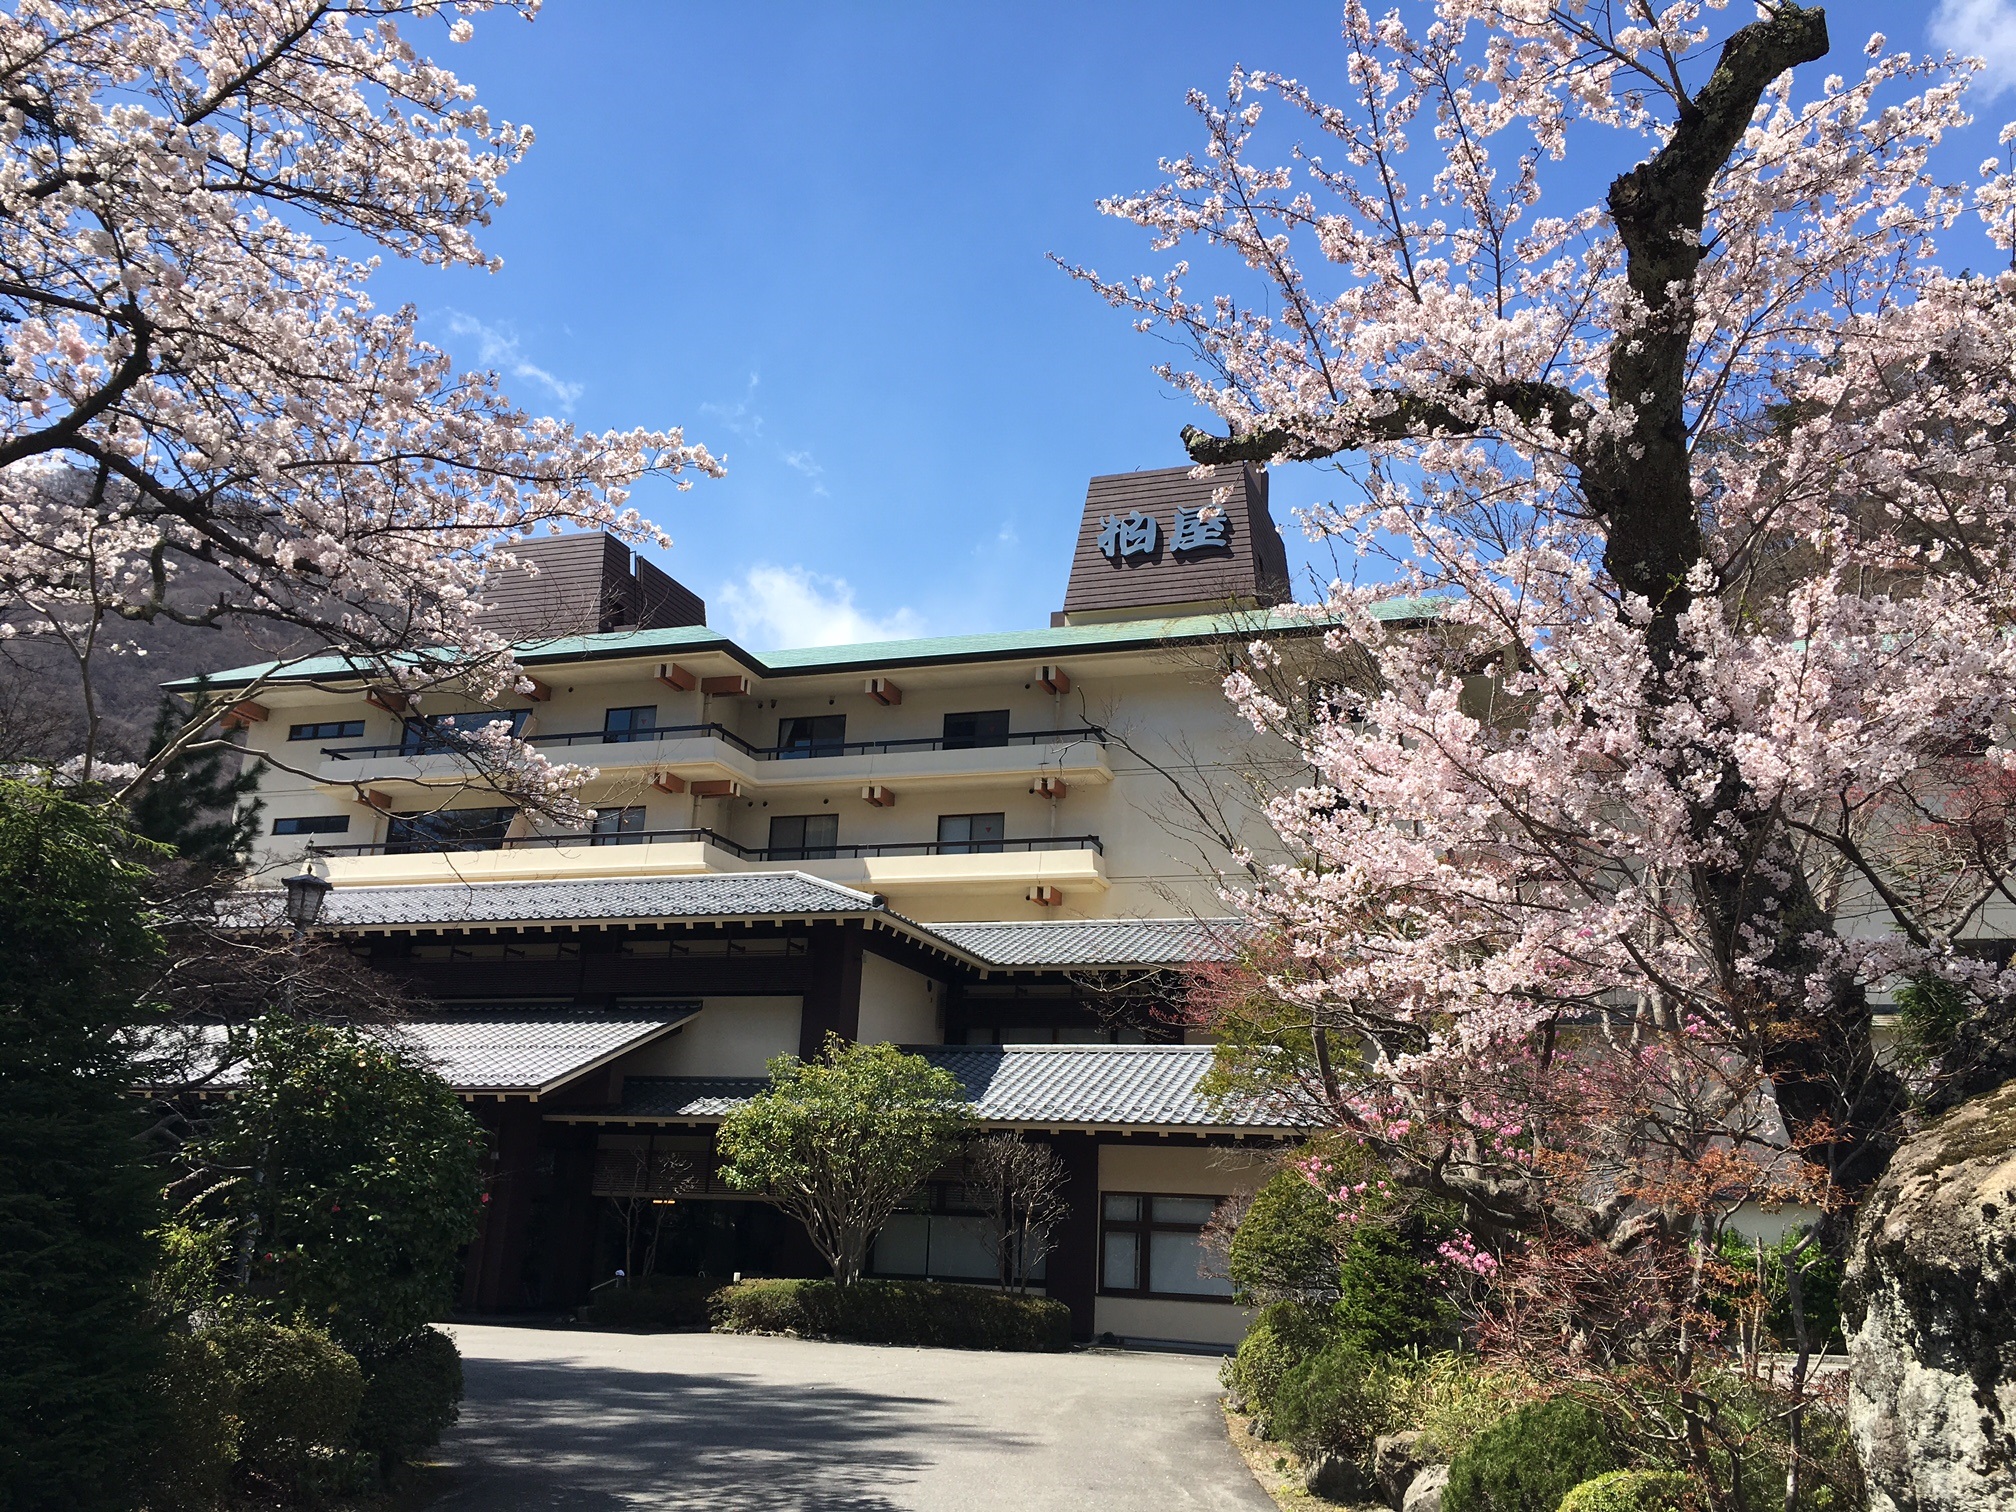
(204, 420)
(1700, 735)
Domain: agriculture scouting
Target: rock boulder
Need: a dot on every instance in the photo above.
(1931, 1317)
(1396, 1459)
(1425, 1494)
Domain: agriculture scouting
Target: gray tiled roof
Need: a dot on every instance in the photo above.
(515, 1051)
(1118, 1086)
(756, 895)
(1097, 942)
(507, 1051)
(735, 895)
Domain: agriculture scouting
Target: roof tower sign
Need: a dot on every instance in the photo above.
(1152, 543)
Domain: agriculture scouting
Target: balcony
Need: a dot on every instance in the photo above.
(713, 750)
(888, 866)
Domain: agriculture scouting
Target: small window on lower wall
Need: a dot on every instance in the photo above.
(313, 824)
(1151, 1245)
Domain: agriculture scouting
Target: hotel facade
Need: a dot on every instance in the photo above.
(1000, 851)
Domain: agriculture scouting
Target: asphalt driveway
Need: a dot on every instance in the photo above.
(599, 1422)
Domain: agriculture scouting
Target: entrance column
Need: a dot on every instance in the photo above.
(832, 1002)
(495, 1277)
(1073, 1269)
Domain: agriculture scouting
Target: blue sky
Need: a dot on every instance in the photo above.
(815, 236)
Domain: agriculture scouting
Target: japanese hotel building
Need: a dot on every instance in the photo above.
(984, 847)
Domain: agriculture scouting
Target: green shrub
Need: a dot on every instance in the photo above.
(1338, 1401)
(1454, 1397)
(894, 1312)
(412, 1392)
(1285, 1245)
(191, 1466)
(1635, 1491)
(1279, 1339)
(657, 1304)
(1529, 1461)
(1389, 1299)
(298, 1395)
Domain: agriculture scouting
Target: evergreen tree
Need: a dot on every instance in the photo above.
(193, 803)
(77, 1197)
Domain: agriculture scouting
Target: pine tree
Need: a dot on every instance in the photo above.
(77, 1197)
(196, 803)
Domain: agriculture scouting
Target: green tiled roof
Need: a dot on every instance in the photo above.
(1113, 635)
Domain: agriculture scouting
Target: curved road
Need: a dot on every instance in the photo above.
(566, 1418)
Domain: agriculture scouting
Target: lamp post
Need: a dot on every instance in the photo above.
(307, 891)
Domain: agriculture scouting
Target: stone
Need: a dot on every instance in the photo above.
(1930, 1312)
(1424, 1493)
(1396, 1459)
(1334, 1477)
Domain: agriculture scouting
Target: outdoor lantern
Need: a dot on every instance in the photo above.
(305, 894)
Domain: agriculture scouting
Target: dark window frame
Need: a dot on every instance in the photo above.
(1143, 1228)
(313, 824)
(328, 729)
(980, 734)
(630, 822)
(818, 735)
(431, 734)
(990, 846)
(804, 848)
(614, 734)
(443, 830)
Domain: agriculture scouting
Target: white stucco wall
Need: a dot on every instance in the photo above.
(732, 1036)
(1180, 1170)
(898, 1005)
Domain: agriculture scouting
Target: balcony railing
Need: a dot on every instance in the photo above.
(422, 847)
(437, 742)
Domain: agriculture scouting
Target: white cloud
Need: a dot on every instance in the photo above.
(497, 347)
(1984, 29)
(741, 417)
(773, 607)
(802, 462)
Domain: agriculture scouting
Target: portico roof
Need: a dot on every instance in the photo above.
(505, 1052)
(1034, 1086)
(758, 897)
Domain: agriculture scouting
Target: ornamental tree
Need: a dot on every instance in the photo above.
(840, 1141)
(339, 1185)
(1700, 733)
(203, 418)
(1705, 486)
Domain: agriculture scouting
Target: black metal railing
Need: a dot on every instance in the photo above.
(437, 743)
(430, 846)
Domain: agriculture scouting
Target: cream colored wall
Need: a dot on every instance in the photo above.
(1181, 1170)
(732, 1036)
(1166, 704)
(898, 1005)
(1216, 1323)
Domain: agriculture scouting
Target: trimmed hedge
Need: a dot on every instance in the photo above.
(894, 1312)
(657, 1304)
(412, 1391)
(297, 1397)
(191, 1467)
(1635, 1491)
(1529, 1461)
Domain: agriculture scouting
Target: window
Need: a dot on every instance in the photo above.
(450, 829)
(988, 727)
(624, 826)
(441, 732)
(313, 824)
(1151, 1246)
(335, 729)
(820, 735)
(640, 723)
(969, 834)
(804, 837)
